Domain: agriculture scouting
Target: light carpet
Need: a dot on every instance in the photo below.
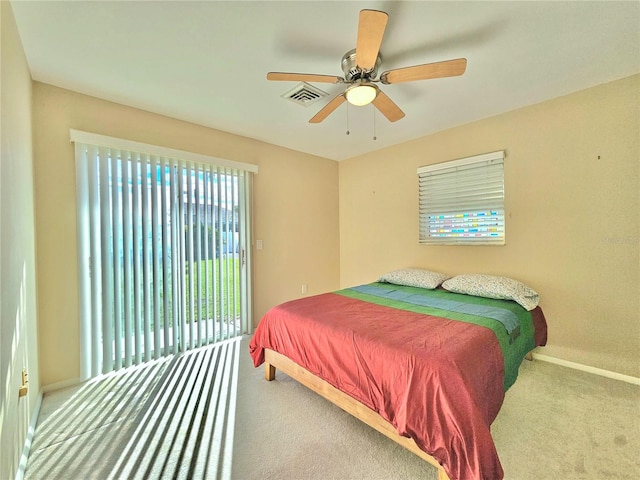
(208, 414)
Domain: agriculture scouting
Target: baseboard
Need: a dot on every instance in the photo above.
(587, 368)
(29, 439)
(52, 387)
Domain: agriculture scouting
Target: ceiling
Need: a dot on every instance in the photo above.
(206, 62)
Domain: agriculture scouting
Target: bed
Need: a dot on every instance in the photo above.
(428, 367)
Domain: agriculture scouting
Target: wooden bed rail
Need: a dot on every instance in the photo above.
(275, 360)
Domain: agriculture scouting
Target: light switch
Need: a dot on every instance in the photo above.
(259, 244)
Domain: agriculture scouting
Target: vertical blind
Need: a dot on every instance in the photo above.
(462, 201)
(163, 251)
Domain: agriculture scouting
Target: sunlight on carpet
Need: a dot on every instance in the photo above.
(172, 417)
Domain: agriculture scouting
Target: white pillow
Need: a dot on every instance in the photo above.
(414, 277)
(491, 286)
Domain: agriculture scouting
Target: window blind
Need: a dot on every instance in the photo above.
(462, 201)
(163, 252)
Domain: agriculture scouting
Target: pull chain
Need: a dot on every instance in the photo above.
(347, 118)
(374, 124)
(375, 137)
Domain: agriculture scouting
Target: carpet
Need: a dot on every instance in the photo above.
(208, 414)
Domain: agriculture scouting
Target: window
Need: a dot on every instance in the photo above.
(462, 201)
(163, 250)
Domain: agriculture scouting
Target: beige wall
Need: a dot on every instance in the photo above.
(587, 276)
(295, 211)
(572, 201)
(18, 325)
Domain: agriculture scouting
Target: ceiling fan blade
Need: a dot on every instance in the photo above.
(328, 109)
(449, 68)
(303, 77)
(371, 26)
(386, 106)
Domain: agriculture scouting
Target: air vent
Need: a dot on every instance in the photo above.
(304, 94)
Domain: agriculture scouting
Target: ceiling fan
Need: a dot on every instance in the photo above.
(360, 67)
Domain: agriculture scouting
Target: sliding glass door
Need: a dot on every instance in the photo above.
(164, 255)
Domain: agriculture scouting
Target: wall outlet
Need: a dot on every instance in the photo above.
(22, 391)
(304, 288)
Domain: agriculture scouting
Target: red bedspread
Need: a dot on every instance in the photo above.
(438, 381)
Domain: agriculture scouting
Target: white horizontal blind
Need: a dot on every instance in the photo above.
(163, 246)
(462, 201)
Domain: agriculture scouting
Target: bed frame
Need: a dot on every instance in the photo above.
(275, 360)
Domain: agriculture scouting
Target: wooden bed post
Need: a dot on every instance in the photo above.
(269, 372)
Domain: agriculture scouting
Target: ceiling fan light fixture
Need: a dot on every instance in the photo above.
(360, 66)
(361, 94)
